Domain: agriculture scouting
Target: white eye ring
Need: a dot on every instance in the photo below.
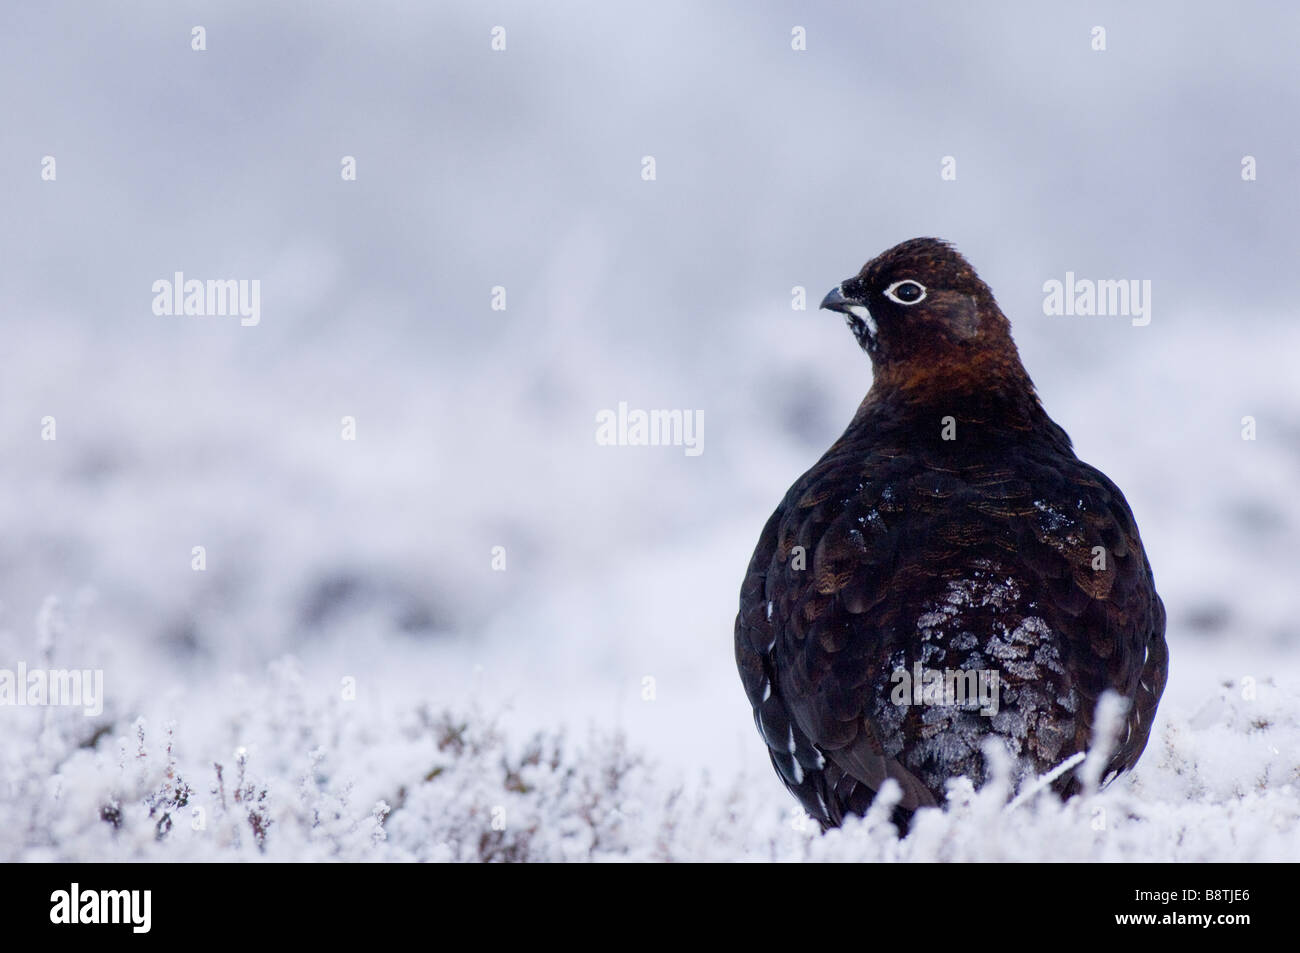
(889, 292)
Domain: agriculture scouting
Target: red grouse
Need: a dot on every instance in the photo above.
(950, 537)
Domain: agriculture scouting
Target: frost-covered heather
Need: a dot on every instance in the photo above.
(283, 768)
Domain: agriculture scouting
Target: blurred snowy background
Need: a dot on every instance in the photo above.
(371, 559)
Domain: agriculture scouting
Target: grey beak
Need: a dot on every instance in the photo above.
(835, 301)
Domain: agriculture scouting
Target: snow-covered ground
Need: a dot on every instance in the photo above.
(279, 766)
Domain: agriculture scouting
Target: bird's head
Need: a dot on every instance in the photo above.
(920, 307)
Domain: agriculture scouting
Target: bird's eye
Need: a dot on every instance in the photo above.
(905, 292)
